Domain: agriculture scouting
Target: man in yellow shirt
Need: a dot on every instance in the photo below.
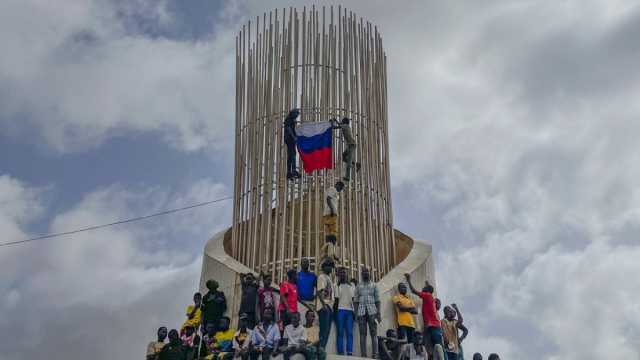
(405, 309)
(193, 313)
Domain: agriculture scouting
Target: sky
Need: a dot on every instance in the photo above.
(514, 152)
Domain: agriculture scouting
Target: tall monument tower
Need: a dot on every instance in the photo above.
(330, 64)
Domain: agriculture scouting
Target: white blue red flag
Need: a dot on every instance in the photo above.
(314, 145)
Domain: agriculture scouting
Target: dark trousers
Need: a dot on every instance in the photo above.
(406, 332)
(364, 322)
(451, 355)
(265, 353)
(291, 158)
(325, 315)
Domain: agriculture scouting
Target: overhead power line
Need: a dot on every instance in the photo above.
(95, 227)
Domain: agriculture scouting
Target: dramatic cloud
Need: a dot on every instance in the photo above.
(77, 74)
(113, 284)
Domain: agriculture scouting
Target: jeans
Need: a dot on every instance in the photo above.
(325, 315)
(291, 158)
(345, 327)
(363, 322)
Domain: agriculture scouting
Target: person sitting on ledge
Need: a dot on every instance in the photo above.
(416, 350)
(241, 339)
(190, 342)
(223, 346)
(174, 349)
(154, 347)
(313, 336)
(193, 313)
(264, 337)
(295, 336)
(390, 347)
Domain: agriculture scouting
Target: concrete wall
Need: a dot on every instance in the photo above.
(418, 262)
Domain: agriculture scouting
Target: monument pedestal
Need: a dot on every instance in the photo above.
(414, 258)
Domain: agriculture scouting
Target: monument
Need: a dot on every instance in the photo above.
(329, 63)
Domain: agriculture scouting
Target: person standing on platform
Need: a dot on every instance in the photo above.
(432, 329)
(325, 294)
(266, 295)
(288, 297)
(450, 326)
(330, 214)
(290, 140)
(306, 282)
(405, 309)
(367, 307)
(249, 298)
(344, 304)
(214, 304)
(349, 153)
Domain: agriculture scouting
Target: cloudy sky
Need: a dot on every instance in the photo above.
(514, 129)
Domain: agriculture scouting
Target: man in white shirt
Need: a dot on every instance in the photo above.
(344, 299)
(296, 336)
(330, 214)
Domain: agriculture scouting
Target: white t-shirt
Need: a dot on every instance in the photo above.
(325, 282)
(345, 294)
(295, 335)
(331, 194)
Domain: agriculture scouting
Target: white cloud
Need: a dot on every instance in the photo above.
(115, 283)
(79, 75)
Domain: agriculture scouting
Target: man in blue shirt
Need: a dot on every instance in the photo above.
(306, 282)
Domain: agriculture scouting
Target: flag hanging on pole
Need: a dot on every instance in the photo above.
(314, 145)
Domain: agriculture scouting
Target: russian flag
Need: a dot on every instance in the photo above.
(314, 145)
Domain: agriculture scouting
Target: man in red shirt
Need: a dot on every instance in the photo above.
(432, 327)
(288, 296)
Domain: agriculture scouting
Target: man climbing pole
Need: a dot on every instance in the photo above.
(348, 155)
(290, 140)
(330, 216)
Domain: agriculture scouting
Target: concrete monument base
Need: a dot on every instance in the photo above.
(413, 257)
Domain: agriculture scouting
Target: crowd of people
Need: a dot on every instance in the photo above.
(270, 323)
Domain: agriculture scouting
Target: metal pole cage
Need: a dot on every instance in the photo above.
(329, 63)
